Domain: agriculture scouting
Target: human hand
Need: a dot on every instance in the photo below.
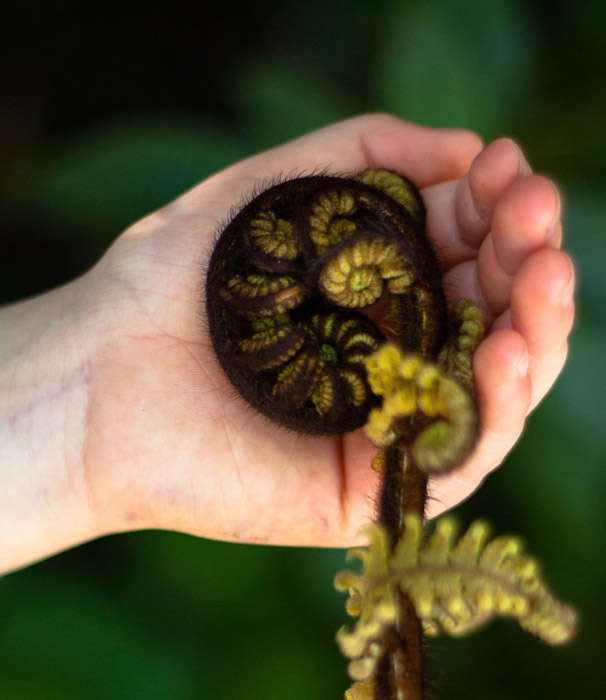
(167, 443)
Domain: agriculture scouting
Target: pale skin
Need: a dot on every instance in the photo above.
(115, 416)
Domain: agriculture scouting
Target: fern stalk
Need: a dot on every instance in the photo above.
(403, 490)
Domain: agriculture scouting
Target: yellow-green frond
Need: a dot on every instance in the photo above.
(412, 386)
(455, 585)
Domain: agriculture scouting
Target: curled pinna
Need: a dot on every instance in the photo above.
(294, 281)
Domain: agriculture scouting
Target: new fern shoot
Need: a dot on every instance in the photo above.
(326, 311)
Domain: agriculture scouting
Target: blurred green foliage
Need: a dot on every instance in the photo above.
(158, 615)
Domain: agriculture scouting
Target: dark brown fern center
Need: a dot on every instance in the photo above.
(289, 288)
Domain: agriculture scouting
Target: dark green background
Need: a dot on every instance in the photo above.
(107, 116)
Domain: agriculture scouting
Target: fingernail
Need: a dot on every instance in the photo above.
(524, 169)
(554, 227)
(553, 231)
(522, 365)
(567, 294)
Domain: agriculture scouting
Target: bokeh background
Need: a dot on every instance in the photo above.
(105, 116)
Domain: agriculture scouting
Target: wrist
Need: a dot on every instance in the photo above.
(45, 350)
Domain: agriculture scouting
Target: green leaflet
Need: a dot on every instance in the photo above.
(455, 586)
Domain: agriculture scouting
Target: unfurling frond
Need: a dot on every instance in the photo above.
(411, 386)
(455, 586)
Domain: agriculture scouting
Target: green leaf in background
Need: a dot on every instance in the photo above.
(107, 177)
(279, 102)
(198, 574)
(283, 662)
(464, 63)
(585, 229)
(337, 38)
(65, 632)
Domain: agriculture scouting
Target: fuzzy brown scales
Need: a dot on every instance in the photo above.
(289, 283)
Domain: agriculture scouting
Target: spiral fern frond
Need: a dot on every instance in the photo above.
(288, 284)
(456, 586)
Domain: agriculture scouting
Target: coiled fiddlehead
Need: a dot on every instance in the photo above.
(287, 284)
(292, 286)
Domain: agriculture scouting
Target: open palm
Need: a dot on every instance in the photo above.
(168, 442)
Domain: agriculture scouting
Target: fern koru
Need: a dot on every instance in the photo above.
(289, 289)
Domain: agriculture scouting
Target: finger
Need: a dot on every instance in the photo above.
(494, 170)
(373, 140)
(459, 211)
(503, 389)
(542, 311)
(426, 156)
(526, 218)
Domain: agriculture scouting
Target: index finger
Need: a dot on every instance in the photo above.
(427, 156)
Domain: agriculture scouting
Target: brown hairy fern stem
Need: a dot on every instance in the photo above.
(293, 284)
(404, 490)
